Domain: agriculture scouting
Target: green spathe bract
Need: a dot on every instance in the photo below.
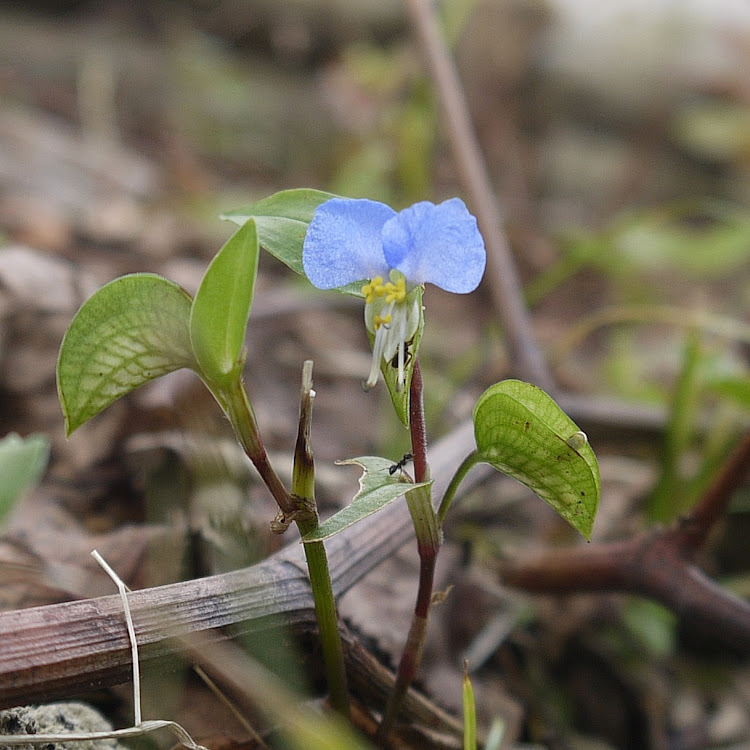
(221, 308)
(281, 221)
(22, 463)
(522, 432)
(402, 396)
(377, 488)
(132, 330)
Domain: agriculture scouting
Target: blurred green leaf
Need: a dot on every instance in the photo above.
(653, 624)
(218, 317)
(22, 463)
(130, 331)
(281, 221)
(522, 432)
(377, 488)
(665, 501)
(714, 129)
(705, 238)
(736, 389)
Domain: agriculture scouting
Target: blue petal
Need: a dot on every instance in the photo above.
(438, 245)
(343, 242)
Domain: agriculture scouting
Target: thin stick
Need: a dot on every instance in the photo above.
(502, 277)
(221, 696)
(123, 589)
(141, 727)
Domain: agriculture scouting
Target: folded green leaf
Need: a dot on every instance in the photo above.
(377, 488)
(132, 330)
(282, 221)
(522, 432)
(221, 308)
(22, 463)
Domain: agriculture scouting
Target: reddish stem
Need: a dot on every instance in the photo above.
(417, 426)
(428, 544)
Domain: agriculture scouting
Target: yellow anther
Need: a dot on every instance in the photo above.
(395, 292)
(374, 289)
(378, 321)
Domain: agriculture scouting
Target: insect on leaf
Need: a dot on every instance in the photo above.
(522, 432)
(130, 331)
(377, 488)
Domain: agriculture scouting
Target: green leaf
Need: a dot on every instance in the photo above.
(470, 713)
(668, 498)
(132, 330)
(282, 221)
(22, 463)
(401, 398)
(522, 432)
(218, 318)
(377, 488)
(736, 388)
(700, 237)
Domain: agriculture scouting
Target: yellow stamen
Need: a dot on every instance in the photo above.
(381, 321)
(374, 289)
(395, 292)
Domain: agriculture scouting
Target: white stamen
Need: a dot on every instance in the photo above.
(381, 338)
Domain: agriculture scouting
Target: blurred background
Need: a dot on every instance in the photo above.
(617, 136)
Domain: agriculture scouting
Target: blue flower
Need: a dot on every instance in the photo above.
(392, 254)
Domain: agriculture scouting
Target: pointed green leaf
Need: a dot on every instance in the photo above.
(377, 488)
(132, 330)
(522, 432)
(218, 318)
(22, 463)
(400, 398)
(282, 221)
(470, 713)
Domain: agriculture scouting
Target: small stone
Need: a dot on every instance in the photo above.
(56, 718)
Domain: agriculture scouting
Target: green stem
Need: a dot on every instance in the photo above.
(419, 502)
(236, 405)
(466, 466)
(303, 490)
(300, 507)
(327, 616)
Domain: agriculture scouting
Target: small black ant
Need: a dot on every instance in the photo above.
(400, 465)
(408, 354)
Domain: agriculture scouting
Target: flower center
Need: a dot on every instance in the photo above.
(394, 292)
(392, 320)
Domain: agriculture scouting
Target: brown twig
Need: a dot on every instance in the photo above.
(62, 649)
(657, 564)
(501, 275)
(712, 506)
